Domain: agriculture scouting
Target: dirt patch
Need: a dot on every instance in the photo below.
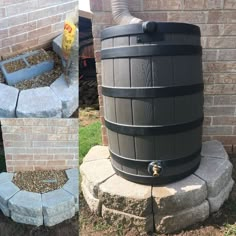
(221, 223)
(38, 58)
(40, 181)
(11, 228)
(88, 115)
(13, 66)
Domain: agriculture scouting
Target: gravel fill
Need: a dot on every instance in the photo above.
(37, 58)
(13, 66)
(45, 79)
(40, 181)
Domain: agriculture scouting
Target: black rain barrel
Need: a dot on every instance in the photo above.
(153, 100)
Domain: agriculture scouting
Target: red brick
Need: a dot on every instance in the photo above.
(49, 20)
(56, 163)
(5, 51)
(215, 4)
(210, 29)
(220, 89)
(219, 67)
(224, 120)
(151, 5)
(19, 47)
(23, 168)
(230, 4)
(42, 157)
(20, 8)
(209, 55)
(8, 157)
(190, 17)
(63, 157)
(19, 29)
(17, 20)
(207, 120)
(152, 16)
(228, 149)
(3, 33)
(24, 157)
(221, 42)
(42, 13)
(215, 17)
(2, 12)
(229, 29)
(103, 18)
(104, 140)
(218, 130)
(39, 32)
(224, 78)
(219, 110)
(14, 40)
(222, 100)
(194, 4)
(227, 139)
(48, 37)
(208, 100)
(227, 55)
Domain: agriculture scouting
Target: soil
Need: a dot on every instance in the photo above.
(88, 115)
(40, 181)
(221, 223)
(37, 58)
(14, 66)
(11, 228)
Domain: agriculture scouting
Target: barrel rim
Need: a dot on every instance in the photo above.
(163, 27)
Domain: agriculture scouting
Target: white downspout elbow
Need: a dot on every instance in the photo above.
(121, 14)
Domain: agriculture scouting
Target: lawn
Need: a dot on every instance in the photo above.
(89, 136)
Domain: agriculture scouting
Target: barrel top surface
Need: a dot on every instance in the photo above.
(150, 27)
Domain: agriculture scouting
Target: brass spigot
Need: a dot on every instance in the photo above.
(155, 170)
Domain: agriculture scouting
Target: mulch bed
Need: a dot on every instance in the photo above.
(45, 79)
(40, 181)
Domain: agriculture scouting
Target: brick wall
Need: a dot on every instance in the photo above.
(217, 20)
(26, 24)
(31, 144)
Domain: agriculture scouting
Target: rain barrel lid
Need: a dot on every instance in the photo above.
(150, 27)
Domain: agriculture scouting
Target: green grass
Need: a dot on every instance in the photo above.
(230, 230)
(89, 136)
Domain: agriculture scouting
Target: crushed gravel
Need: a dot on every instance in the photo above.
(45, 79)
(13, 66)
(40, 181)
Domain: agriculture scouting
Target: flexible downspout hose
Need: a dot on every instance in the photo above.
(121, 14)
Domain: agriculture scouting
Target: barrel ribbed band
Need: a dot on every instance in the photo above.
(136, 163)
(153, 130)
(150, 50)
(161, 27)
(152, 92)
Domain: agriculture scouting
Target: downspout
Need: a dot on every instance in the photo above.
(121, 14)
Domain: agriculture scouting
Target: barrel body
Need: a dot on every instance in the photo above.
(153, 100)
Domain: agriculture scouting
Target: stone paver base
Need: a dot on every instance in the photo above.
(49, 208)
(164, 209)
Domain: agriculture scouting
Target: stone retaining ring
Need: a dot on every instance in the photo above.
(55, 101)
(167, 208)
(47, 209)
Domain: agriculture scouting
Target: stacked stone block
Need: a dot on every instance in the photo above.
(164, 209)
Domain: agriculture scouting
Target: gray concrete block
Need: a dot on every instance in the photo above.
(8, 101)
(215, 149)
(216, 172)
(72, 173)
(56, 202)
(181, 219)
(94, 173)
(96, 153)
(7, 190)
(174, 197)
(57, 44)
(122, 195)
(58, 218)
(4, 210)
(142, 224)
(67, 94)
(40, 103)
(93, 203)
(6, 177)
(72, 187)
(26, 203)
(37, 221)
(216, 202)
